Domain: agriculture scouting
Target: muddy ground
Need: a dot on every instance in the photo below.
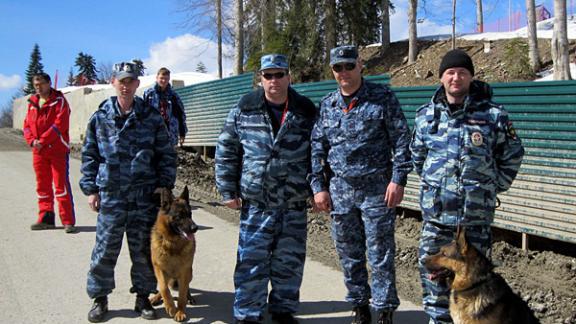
(546, 278)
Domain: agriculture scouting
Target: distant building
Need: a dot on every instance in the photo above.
(542, 13)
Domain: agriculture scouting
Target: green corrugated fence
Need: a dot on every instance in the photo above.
(542, 200)
(207, 105)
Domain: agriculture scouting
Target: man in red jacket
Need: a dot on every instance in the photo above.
(46, 132)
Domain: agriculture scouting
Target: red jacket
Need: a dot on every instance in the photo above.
(49, 123)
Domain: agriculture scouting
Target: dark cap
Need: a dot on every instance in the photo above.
(125, 70)
(456, 58)
(273, 61)
(343, 54)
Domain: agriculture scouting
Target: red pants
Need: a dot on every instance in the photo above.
(54, 168)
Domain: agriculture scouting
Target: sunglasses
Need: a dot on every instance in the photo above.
(341, 67)
(277, 75)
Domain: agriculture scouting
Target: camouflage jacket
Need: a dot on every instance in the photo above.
(464, 158)
(256, 166)
(371, 140)
(175, 110)
(121, 152)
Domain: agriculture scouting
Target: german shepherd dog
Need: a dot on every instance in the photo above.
(478, 295)
(173, 245)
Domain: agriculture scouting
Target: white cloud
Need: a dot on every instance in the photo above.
(9, 82)
(183, 53)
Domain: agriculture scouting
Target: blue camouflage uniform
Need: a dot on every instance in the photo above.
(355, 155)
(269, 173)
(124, 159)
(175, 115)
(464, 159)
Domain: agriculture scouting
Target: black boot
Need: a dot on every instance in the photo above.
(46, 223)
(385, 317)
(98, 310)
(144, 307)
(284, 318)
(361, 315)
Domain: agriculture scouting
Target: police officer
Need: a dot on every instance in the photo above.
(127, 155)
(466, 151)
(164, 99)
(360, 163)
(262, 161)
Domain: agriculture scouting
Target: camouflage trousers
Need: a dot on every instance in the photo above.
(362, 223)
(132, 212)
(436, 294)
(271, 249)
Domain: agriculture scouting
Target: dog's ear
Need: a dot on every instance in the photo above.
(461, 239)
(166, 198)
(185, 194)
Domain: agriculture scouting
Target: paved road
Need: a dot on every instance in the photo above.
(43, 274)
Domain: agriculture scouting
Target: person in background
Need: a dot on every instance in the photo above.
(46, 132)
(168, 103)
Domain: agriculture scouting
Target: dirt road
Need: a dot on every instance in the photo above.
(43, 277)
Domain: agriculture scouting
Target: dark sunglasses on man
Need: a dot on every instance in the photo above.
(346, 66)
(277, 75)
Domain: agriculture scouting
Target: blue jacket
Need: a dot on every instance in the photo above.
(464, 158)
(122, 152)
(175, 110)
(371, 140)
(256, 166)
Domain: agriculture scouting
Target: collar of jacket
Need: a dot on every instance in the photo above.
(35, 98)
(167, 91)
(297, 104)
(368, 91)
(480, 92)
(110, 108)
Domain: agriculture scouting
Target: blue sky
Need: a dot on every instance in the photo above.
(112, 31)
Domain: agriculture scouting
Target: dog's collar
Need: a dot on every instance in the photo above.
(477, 284)
(474, 286)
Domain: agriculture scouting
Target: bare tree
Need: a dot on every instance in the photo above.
(239, 40)
(268, 21)
(219, 35)
(479, 17)
(560, 57)
(532, 36)
(453, 24)
(330, 31)
(385, 26)
(412, 32)
(104, 72)
(207, 15)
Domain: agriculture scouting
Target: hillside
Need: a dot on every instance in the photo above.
(503, 63)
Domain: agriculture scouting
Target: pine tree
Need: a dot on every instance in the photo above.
(86, 69)
(35, 66)
(71, 80)
(200, 67)
(139, 66)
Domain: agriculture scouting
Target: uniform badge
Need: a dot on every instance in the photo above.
(477, 139)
